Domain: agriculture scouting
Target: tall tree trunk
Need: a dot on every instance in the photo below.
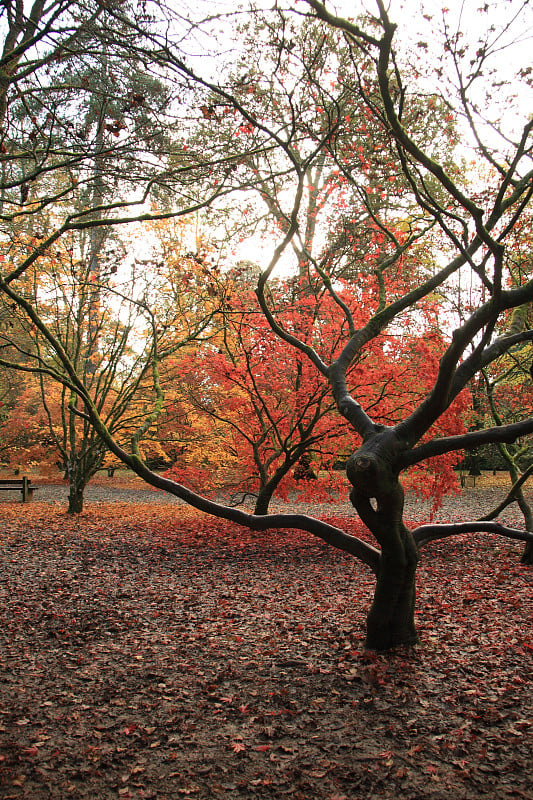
(264, 497)
(75, 499)
(378, 498)
(525, 508)
(391, 619)
(76, 487)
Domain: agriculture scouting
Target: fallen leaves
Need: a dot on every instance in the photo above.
(149, 653)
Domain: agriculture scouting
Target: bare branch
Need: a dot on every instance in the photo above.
(466, 441)
(431, 533)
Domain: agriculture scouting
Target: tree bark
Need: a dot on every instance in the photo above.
(76, 487)
(378, 498)
(75, 499)
(391, 619)
(268, 487)
(264, 496)
(525, 508)
(527, 555)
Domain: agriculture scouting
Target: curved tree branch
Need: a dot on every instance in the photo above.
(511, 496)
(448, 385)
(328, 533)
(431, 533)
(466, 441)
(477, 361)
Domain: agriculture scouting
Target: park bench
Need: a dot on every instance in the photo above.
(22, 485)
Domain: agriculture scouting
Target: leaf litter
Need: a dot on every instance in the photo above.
(151, 652)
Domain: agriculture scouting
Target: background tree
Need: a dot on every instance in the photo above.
(25, 438)
(112, 342)
(88, 111)
(275, 407)
(80, 117)
(505, 394)
(507, 385)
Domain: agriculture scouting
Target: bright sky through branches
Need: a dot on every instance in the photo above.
(501, 33)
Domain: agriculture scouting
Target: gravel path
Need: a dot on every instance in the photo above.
(469, 504)
(58, 493)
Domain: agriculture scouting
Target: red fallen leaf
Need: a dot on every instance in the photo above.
(129, 729)
(30, 751)
(262, 748)
(238, 747)
(458, 667)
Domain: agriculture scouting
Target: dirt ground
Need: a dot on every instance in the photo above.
(149, 652)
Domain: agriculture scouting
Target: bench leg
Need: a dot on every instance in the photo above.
(27, 492)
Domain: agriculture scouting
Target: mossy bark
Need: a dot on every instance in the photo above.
(75, 498)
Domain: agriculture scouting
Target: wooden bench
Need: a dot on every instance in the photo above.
(22, 485)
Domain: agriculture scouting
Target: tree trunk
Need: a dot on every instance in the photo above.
(268, 487)
(391, 619)
(378, 498)
(510, 457)
(77, 482)
(527, 555)
(264, 497)
(75, 499)
(525, 508)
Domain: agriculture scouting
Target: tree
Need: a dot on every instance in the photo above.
(87, 110)
(112, 342)
(516, 455)
(25, 437)
(507, 385)
(79, 115)
(276, 408)
(468, 222)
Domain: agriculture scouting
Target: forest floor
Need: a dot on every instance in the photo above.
(147, 651)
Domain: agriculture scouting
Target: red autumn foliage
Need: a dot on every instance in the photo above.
(269, 404)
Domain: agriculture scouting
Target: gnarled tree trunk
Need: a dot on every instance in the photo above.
(378, 498)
